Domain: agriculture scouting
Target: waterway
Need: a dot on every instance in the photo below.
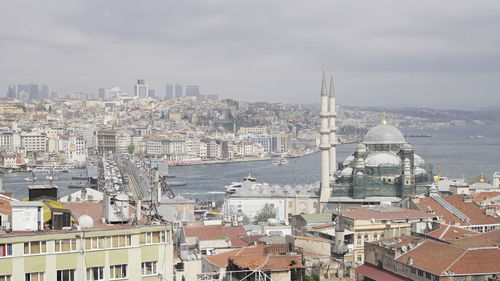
(462, 151)
(455, 151)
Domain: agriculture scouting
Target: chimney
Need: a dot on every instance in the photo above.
(410, 261)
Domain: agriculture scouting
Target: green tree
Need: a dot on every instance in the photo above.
(131, 148)
(267, 212)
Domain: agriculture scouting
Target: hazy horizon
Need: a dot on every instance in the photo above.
(382, 53)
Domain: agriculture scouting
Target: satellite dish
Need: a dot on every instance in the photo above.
(404, 248)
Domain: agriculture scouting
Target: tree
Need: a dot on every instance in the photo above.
(131, 148)
(267, 212)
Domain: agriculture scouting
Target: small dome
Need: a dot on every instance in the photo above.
(85, 221)
(384, 134)
(417, 160)
(361, 147)
(406, 146)
(384, 159)
(348, 160)
(347, 172)
(420, 171)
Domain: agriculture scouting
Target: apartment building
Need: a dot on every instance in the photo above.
(104, 252)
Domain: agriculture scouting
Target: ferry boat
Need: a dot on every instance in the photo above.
(234, 186)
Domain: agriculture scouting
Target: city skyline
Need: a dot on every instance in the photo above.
(423, 54)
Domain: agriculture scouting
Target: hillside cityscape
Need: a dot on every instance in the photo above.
(249, 140)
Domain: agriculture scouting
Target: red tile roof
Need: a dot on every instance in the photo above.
(215, 232)
(450, 232)
(432, 256)
(379, 274)
(268, 262)
(478, 261)
(221, 260)
(470, 209)
(442, 258)
(368, 213)
(481, 196)
(5, 208)
(487, 239)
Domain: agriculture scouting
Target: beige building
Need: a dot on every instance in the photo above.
(367, 224)
(117, 253)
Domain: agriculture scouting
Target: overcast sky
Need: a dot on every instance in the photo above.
(403, 53)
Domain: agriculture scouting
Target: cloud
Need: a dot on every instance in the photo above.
(425, 53)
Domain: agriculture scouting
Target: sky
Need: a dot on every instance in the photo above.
(441, 54)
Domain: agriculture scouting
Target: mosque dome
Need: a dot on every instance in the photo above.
(406, 146)
(384, 134)
(383, 159)
(418, 161)
(348, 160)
(346, 172)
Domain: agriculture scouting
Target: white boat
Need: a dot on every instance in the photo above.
(280, 162)
(235, 185)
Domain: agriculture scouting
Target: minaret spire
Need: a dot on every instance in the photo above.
(333, 130)
(324, 142)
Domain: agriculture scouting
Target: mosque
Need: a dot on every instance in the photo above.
(383, 168)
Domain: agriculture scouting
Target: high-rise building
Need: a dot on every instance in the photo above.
(141, 89)
(151, 93)
(169, 91)
(101, 93)
(192, 91)
(44, 94)
(178, 90)
(29, 91)
(11, 92)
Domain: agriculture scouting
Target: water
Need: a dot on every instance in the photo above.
(15, 182)
(455, 151)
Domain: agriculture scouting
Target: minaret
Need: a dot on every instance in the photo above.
(324, 143)
(333, 130)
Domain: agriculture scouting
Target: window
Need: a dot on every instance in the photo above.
(4, 277)
(420, 272)
(65, 245)
(119, 241)
(5, 251)
(359, 258)
(34, 276)
(366, 237)
(37, 247)
(94, 243)
(95, 273)
(413, 270)
(152, 237)
(360, 240)
(66, 275)
(375, 237)
(428, 275)
(148, 268)
(118, 271)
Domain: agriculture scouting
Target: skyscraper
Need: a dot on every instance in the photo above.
(44, 94)
(178, 90)
(11, 92)
(151, 93)
(141, 89)
(169, 91)
(101, 93)
(192, 91)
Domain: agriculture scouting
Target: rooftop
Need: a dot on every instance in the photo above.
(475, 214)
(450, 232)
(383, 212)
